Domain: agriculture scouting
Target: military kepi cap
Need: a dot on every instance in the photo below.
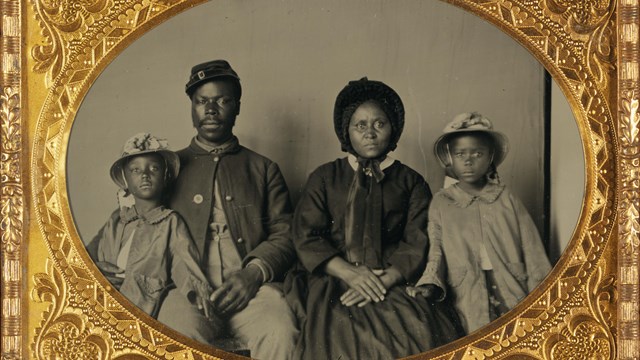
(207, 71)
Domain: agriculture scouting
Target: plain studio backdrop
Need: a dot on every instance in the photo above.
(293, 57)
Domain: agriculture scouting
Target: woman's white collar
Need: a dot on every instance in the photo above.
(388, 161)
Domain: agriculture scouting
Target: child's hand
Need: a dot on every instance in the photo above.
(111, 272)
(427, 291)
(205, 306)
(201, 300)
(217, 324)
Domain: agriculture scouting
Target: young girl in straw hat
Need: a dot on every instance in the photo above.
(144, 247)
(483, 240)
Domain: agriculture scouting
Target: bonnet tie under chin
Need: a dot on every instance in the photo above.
(364, 215)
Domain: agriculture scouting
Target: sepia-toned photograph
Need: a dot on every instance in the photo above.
(297, 180)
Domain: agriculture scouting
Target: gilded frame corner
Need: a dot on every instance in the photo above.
(53, 51)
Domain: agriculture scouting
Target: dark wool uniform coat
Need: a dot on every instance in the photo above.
(255, 200)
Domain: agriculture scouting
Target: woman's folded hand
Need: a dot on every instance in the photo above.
(353, 297)
(388, 277)
(366, 282)
(362, 279)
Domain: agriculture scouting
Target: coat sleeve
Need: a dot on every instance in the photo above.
(276, 252)
(96, 247)
(410, 256)
(435, 271)
(185, 271)
(535, 257)
(311, 225)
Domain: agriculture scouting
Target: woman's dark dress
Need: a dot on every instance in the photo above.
(399, 325)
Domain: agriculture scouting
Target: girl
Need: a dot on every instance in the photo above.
(359, 231)
(481, 234)
(145, 247)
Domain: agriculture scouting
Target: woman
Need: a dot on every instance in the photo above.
(360, 234)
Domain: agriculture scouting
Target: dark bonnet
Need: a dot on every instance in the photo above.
(358, 92)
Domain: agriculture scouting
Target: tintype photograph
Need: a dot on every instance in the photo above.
(325, 179)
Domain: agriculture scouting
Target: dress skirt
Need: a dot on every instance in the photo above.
(397, 327)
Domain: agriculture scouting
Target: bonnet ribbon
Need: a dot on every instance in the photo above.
(364, 215)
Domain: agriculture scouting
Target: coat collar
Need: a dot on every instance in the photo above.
(130, 214)
(463, 199)
(230, 147)
(388, 161)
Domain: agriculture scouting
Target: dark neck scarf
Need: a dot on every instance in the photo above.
(364, 215)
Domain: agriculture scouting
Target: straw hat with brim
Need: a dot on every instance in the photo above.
(361, 91)
(472, 122)
(140, 144)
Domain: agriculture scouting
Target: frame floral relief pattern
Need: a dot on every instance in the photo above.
(12, 199)
(629, 179)
(587, 306)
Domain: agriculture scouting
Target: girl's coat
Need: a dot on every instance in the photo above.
(458, 224)
(162, 253)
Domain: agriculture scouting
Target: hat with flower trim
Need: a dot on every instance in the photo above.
(144, 143)
(468, 123)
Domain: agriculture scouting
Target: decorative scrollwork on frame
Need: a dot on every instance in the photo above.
(65, 332)
(629, 218)
(577, 43)
(10, 108)
(630, 165)
(583, 16)
(11, 207)
(583, 338)
(63, 20)
(629, 179)
(589, 330)
(595, 19)
(631, 128)
(11, 204)
(12, 199)
(70, 337)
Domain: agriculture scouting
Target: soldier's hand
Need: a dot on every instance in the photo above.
(236, 292)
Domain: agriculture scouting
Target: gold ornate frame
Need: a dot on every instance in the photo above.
(54, 305)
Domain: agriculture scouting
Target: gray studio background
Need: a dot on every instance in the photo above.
(293, 58)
